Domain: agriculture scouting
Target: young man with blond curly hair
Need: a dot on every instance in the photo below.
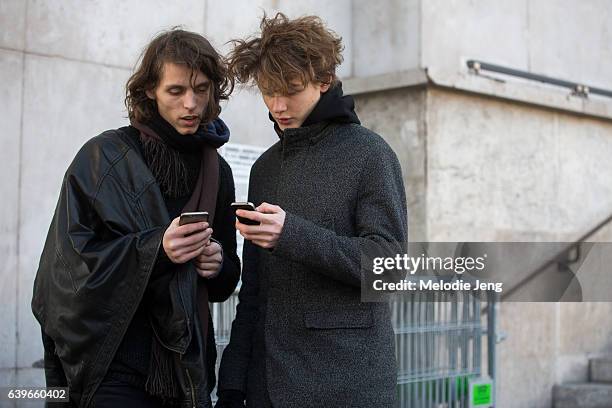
(326, 193)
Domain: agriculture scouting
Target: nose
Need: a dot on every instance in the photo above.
(189, 100)
(279, 104)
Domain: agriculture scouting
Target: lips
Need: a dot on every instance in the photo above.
(284, 121)
(190, 120)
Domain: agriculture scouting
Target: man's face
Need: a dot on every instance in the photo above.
(181, 97)
(290, 111)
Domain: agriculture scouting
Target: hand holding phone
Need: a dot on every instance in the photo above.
(244, 205)
(184, 239)
(272, 218)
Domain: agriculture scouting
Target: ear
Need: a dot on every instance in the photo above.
(150, 94)
(325, 87)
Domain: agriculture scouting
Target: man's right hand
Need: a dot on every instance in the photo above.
(182, 243)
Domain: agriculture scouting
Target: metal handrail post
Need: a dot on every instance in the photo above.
(492, 340)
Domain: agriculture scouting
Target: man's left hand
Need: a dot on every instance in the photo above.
(271, 221)
(208, 263)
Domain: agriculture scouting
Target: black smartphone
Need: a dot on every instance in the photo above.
(191, 217)
(244, 205)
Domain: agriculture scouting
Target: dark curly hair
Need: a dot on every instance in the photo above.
(179, 47)
(301, 50)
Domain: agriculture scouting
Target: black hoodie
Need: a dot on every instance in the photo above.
(333, 106)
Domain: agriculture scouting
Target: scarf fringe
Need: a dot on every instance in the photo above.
(161, 381)
(166, 166)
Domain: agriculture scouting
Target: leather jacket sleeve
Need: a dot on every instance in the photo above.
(54, 373)
(96, 261)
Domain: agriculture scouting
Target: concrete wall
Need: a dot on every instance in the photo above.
(559, 38)
(399, 116)
(483, 169)
(11, 65)
(501, 171)
(386, 37)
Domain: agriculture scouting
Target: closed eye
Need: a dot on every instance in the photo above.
(202, 88)
(175, 90)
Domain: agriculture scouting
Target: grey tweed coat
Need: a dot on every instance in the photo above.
(302, 337)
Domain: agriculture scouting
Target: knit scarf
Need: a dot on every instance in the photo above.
(162, 146)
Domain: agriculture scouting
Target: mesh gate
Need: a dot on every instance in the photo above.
(438, 345)
(438, 348)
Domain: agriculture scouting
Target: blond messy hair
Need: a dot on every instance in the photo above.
(288, 55)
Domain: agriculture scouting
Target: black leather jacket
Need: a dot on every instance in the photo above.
(102, 245)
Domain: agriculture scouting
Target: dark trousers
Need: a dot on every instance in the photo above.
(113, 393)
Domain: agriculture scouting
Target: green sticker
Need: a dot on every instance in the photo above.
(481, 394)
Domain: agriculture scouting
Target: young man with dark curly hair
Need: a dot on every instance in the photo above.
(122, 289)
(328, 192)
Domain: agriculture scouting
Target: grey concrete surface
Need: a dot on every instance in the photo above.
(60, 114)
(387, 37)
(600, 370)
(572, 368)
(523, 169)
(111, 33)
(386, 82)
(223, 23)
(31, 377)
(557, 38)
(482, 158)
(399, 116)
(526, 360)
(581, 50)
(583, 395)
(454, 31)
(247, 117)
(8, 377)
(13, 15)
(11, 65)
(585, 329)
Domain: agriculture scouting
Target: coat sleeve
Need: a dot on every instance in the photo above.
(102, 231)
(380, 220)
(237, 354)
(54, 373)
(96, 260)
(221, 287)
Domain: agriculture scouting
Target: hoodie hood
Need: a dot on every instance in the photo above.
(333, 106)
(216, 133)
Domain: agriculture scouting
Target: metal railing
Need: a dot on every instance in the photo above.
(561, 258)
(578, 88)
(438, 345)
(439, 348)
